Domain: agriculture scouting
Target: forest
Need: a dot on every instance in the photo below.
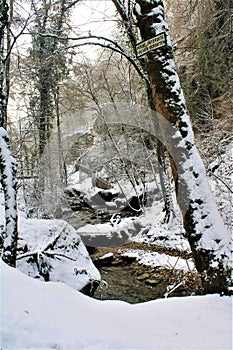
(116, 171)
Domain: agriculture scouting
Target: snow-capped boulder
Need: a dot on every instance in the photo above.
(52, 250)
(110, 234)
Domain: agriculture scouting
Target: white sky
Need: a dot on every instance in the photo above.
(96, 16)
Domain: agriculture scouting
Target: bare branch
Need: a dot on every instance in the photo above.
(107, 46)
(117, 48)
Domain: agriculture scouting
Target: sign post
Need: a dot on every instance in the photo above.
(151, 44)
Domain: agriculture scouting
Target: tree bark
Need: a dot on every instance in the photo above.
(8, 242)
(3, 83)
(208, 238)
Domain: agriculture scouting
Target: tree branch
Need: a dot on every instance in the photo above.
(108, 46)
(117, 48)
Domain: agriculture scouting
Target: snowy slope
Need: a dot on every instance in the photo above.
(39, 315)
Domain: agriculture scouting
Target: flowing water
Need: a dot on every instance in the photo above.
(121, 283)
(134, 283)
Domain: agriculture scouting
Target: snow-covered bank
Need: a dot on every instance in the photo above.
(155, 259)
(38, 315)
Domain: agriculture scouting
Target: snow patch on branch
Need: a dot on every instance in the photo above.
(172, 79)
(157, 11)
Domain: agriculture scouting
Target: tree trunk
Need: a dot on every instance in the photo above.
(9, 239)
(3, 83)
(165, 186)
(208, 238)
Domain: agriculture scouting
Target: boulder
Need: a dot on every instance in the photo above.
(52, 250)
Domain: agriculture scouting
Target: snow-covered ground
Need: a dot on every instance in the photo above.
(165, 261)
(39, 315)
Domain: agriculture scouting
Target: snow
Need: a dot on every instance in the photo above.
(212, 227)
(126, 225)
(159, 26)
(161, 260)
(39, 315)
(138, 9)
(220, 170)
(164, 234)
(105, 256)
(9, 181)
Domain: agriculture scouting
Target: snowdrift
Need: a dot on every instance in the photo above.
(39, 315)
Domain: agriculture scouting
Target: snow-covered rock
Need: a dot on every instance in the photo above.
(108, 234)
(52, 250)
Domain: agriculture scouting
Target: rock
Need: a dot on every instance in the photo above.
(134, 205)
(104, 260)
(101, 183)
(128, 259)
(55, 253)
(152, 282)
(90, 288)
(117, 262)
(76, 199)
(181, 290)
(143, 276)
(108, 196)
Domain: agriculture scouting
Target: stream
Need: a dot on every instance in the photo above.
(121, 283)
(123, 278)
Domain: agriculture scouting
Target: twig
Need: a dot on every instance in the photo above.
(22, 256)
(59, 254)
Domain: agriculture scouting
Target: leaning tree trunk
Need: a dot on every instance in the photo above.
(206, 233)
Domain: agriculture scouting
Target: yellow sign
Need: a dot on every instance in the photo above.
(151, 44)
